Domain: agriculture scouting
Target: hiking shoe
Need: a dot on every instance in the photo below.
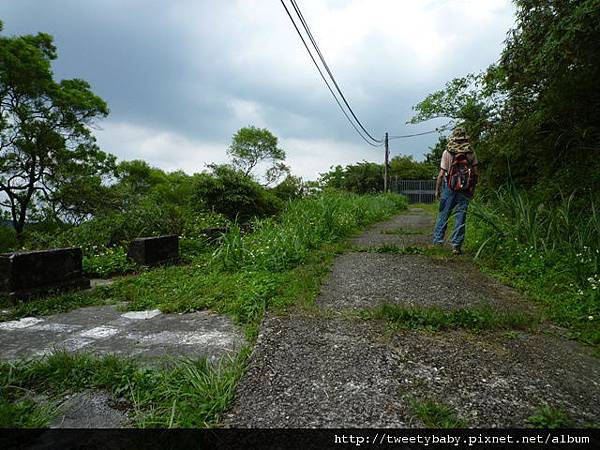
(456, 250)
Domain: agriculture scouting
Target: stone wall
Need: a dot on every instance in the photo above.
(28, 273)
(152, 251)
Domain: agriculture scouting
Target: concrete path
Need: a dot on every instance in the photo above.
(330, 369)
(148, 335)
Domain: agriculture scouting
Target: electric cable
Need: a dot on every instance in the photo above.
(437, 130)
(325, 80)
(322, 58)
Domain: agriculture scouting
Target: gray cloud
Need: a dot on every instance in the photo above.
(181, 77)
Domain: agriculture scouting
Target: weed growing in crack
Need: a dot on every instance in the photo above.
(437, 319)
(546, 416)
(437, 415)
(404, 231)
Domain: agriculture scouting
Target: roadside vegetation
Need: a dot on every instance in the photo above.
(189, 394)
(434, 414)
(474, 319)
(551, 252)
(250, 240)
(533, 120)
(280, 264)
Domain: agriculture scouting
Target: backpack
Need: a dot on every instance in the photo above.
(460, 175)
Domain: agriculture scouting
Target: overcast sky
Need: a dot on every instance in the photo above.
(182, 76)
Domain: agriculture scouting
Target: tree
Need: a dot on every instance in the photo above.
(289, 189)
(406, 168)
(234, 194)
(252, 146)
(548, 77)
(362, 178)
(534, 114)
(434, 157)
(45, 139)
(462, 100)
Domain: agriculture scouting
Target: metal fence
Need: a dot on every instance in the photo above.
(417, 191)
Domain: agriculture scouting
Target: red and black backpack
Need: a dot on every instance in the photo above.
(460, 174)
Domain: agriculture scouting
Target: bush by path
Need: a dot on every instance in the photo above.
(550, 251)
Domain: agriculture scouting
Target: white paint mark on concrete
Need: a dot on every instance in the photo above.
(19, 324)
(43, 352)
(75, 343)
(141, 315)
(99, 332)
(214, 338)
(56, 327)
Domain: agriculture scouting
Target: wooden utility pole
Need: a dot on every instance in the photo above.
(385, 165)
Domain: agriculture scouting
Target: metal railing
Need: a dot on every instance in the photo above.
(417, 191)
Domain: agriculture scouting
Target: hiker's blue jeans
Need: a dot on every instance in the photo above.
(449, 201)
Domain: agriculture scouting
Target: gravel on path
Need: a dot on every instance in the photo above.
(365, 280)
(313, 373)
(331, 371)
(414, 228)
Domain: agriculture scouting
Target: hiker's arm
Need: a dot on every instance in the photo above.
(438, 182)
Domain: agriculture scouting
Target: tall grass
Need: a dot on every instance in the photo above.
(283, 242)
(184, 393)
(551, 250)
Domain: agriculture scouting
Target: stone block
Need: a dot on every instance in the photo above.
(152, 251)
(29, 273)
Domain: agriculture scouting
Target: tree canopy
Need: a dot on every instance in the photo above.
(251, 146)
(45, 141)
(535, 114)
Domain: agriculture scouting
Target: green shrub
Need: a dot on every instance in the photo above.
(8, 239)
(552, 251)
(291, 188)
(283, 242)
(233, 194)
(111, 261)
(548, 417)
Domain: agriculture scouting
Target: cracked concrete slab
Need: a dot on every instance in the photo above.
(104, 330)
(415, 228)
(365, 280)
(89, 410)
(319, 373)
(310, 372)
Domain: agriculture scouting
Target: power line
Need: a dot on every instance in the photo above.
(322, 58)
(325, 80)
(437, 130)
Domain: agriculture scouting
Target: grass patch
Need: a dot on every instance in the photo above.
(435, 252)
(551, 252)
(437, 415)
(431, 208)
(23, 413)
(546, 416)
(403, 231)
(189, 393)
(436, 319)
(280, 263)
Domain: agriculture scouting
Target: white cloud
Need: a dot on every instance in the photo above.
(310, 157)
(170, 151)
(161, 148)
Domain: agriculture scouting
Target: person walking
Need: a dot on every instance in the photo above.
(458, 172)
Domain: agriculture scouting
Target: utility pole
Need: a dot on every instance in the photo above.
(385, 165)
